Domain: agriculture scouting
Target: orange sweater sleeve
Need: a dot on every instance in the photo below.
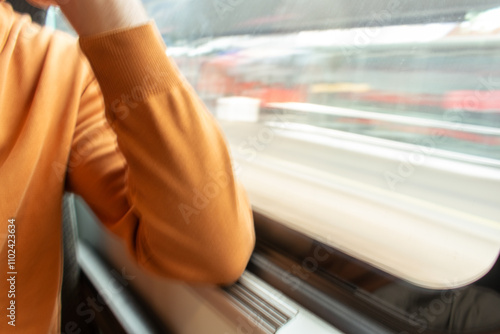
(160, 176)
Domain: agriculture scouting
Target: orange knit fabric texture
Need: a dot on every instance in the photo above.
(130, 136)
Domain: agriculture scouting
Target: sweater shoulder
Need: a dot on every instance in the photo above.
(49, 55)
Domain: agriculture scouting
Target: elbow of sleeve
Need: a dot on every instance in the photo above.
(233, 262)
(233, 268)
(214, 248)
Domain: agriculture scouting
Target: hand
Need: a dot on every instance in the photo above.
(89, 17)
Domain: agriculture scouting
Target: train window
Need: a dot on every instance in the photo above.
(385, 133)
(372, 128)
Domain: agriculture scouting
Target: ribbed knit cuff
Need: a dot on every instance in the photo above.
(130, 62)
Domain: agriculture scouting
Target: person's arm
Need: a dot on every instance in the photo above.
(178, 205)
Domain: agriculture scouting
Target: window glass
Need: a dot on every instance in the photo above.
(405, 83)
(378, 124)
